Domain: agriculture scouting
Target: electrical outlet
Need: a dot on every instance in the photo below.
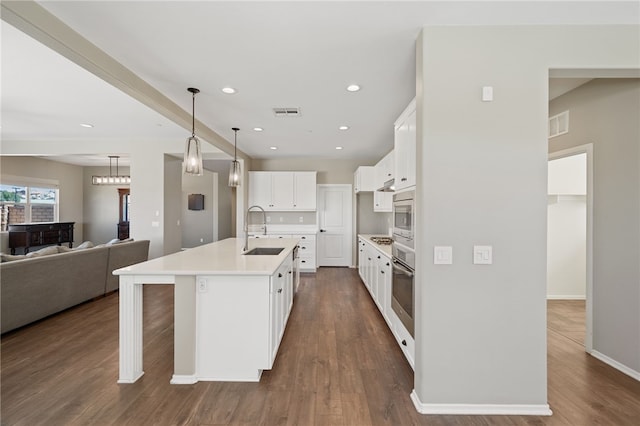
(202, 285)
(268, 219)
(301, 219)
(202, 240)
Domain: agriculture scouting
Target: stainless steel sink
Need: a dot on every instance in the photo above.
(264, 251)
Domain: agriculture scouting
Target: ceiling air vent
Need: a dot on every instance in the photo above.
(286, 112)
(559, 124)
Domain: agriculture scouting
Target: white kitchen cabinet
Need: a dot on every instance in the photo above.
(260, 189)
(385, 169)
(282, 194)
(384, 289)
(383, 201)
(283, 191)
(361, 264)
(304, 191)
(307, 252)
(281, 296)
(405, 148)
(364, 179)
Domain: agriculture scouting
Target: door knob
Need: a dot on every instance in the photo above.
(323, 230)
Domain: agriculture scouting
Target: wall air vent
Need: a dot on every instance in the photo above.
(559, 124)
(287, 112)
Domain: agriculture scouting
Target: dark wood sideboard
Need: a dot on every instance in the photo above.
(27, 235)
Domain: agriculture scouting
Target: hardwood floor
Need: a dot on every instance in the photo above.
(338, 365)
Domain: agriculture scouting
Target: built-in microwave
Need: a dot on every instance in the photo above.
(404, 218)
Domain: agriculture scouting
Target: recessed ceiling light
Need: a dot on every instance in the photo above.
(273, 147)
(343, 128)
(258, 129)
(338, 148)
(87, 125)
(353, 88)
(229, 90)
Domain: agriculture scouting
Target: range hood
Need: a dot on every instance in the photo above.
(389, 186)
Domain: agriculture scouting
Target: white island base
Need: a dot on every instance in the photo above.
(230, 310)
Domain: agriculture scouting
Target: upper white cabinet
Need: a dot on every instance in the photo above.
(405, 148)
(364, 179)
(283, 191)
(304, 191)
(385, 169)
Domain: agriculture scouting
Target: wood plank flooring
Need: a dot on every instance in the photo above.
(338, 364)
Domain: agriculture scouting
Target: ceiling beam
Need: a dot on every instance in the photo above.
(37, 22)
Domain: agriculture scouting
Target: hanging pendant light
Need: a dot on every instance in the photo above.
(234, 170)
(192, 163)
(112, 179)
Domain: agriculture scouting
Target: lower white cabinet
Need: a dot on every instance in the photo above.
(374, 269)
(376, 273)
(281, 301)
(238, 346)
(306, 251)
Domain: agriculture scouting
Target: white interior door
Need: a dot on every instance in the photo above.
(334, 220)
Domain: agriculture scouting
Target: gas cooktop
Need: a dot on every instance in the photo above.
(385, 241)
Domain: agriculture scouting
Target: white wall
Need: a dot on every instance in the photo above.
(172, 212)
(69, 178)
(101, 206)
(482, 179)
(226, 198)
(567, 228)
(200, 226)
(605, 112)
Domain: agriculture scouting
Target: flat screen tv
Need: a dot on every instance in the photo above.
(196, 202)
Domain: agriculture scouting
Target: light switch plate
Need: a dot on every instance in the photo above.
(487, 93)
(442, 255)
(482, 255)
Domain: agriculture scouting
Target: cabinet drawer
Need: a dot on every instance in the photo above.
(307, 262)
(406, 342)
(305, 237)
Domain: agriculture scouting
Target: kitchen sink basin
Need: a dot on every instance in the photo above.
(264, 251)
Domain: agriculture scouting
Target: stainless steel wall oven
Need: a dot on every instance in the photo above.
(404, 259)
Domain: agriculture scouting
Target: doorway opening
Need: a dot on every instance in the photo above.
(570, 242)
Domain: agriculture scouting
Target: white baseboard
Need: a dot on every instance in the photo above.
(615, 364)
(481, 409)
(178, 379)
(565, 297)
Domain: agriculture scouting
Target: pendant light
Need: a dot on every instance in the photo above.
(112, 179)
(234, 170)
(192, 163)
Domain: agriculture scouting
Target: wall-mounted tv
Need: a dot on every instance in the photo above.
(196, 202)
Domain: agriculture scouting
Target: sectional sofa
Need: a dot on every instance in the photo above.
(38, 286)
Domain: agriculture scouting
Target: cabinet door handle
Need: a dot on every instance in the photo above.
(404, 343)
(378, 257)
(280, 290)
(403, 179)
(382, 272)
(279, 275)
(323, 230)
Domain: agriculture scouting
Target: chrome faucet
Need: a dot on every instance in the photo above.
(246, 226)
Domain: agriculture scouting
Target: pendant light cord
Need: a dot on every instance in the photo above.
(193, 114)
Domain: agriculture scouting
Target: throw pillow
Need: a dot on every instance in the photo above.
(44, 252)
(85, 245)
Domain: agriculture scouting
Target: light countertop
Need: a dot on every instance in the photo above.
(382, 248)
(218, 258)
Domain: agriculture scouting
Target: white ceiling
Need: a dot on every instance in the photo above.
(276, 54)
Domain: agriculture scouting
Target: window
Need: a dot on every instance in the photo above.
(27, 204)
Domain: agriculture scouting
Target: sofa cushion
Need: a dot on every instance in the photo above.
(11, 257)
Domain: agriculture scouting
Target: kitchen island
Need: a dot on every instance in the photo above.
(230, 310)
